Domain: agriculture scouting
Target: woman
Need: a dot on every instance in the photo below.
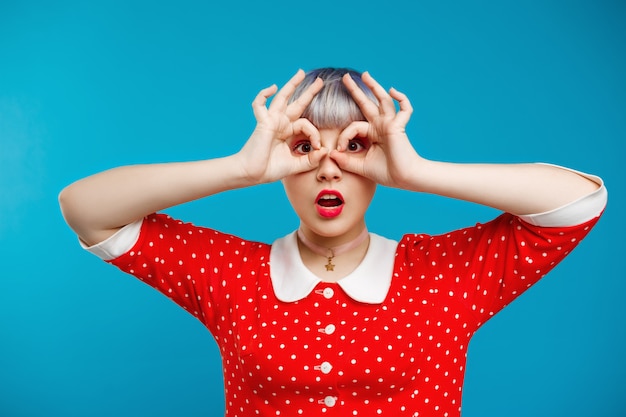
(332, 319)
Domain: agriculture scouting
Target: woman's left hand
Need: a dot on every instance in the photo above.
(389, 157)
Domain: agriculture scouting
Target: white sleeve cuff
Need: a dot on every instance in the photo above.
(577, 212)
(118, 244)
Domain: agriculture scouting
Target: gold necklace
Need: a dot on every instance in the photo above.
(330, 253)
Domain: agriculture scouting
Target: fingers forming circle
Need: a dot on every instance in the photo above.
(354, 129)
(306, 128)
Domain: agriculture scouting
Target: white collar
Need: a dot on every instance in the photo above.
(368, 283)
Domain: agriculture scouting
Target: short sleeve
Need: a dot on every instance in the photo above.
(485, 267)
(117, 244)
(579, 211)
(187, 263)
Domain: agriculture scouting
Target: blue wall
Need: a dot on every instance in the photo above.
(86, 86)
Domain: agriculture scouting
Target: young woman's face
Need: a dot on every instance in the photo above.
(330, 202)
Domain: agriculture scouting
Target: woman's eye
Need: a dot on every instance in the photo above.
(303, 147)
(356, 145)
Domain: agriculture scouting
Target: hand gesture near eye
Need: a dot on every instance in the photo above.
(389, 155)
(267, 155)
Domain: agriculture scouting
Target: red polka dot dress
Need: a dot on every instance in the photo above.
(388, 340)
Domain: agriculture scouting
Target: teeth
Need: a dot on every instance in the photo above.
(328, 197)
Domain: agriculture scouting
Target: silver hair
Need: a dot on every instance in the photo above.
(333, 106)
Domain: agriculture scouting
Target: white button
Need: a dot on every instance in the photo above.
(330, 329)
(328, 293)
(330, 401)
(326, 367)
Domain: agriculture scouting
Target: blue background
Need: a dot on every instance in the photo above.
(86, 86)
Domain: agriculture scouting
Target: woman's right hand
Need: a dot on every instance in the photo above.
(268, 156)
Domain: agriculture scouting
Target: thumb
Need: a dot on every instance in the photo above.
(311, 160)
(347, 162)
(316, 156)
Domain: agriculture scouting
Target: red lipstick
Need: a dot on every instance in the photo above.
(329, 203)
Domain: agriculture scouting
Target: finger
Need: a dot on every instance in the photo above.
(306, 128)
(367, 106)
(348, 162)
(297, 107)
(282, 97)
(406, 109)
(353, 130)
(385, 100)
(316, 156)
(310, 161)
(259, 102)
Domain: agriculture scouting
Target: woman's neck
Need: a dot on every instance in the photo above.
(340, 260)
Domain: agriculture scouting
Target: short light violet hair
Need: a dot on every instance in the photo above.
(333, 106)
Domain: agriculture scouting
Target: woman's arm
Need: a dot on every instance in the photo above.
(391, 160)
(515, 188)
(98, 206)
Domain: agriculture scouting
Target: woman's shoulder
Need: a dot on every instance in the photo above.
(161, 229)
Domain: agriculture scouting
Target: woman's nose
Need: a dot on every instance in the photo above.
(328, 169)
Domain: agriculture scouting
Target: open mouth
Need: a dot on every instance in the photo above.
(329, 203)
(329, 200)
